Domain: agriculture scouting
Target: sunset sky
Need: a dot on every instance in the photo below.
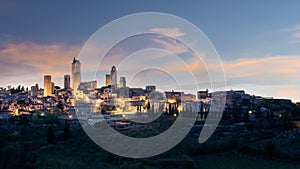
(257, 41)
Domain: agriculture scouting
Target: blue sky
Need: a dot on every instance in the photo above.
(258, 41)
(233, 26)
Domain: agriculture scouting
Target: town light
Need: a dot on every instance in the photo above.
(180, 108)
(171, 101)
(17, 112)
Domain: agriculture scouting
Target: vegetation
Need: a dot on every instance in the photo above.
(50, 134)
(46, 142)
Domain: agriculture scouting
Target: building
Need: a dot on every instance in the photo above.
(67, 81)
(151, 88)
(52, 87)
(189, 97)
(122, 82)
(47, 86)
(108, 80)
(34, 91)
(174, 96)
(235, 97)
(174, 99)
(202, 94)
(91, 85)
(113, 75)
(136, 92)
(123, 92)
(76, 75)
(107, 95)
(111, 79)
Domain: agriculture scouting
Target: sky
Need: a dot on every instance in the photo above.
(258, 42)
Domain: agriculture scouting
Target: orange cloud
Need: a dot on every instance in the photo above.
(277, 76)
(280, 67)
(27, 59)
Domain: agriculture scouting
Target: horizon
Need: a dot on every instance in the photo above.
(143, 87)
(259, 49)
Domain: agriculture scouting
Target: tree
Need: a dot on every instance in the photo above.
(21, 103)
(285, 119)
(296, 110)
(11, 156)
(66, 129)
(148, 106)
(22, 89)
(269, 148)
(236, 112)
(246, 116)
(50, 134)
(60, 105)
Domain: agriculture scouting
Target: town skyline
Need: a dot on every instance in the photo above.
(76, 71)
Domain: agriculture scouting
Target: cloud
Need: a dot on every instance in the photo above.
(172, 32)
(294, 33)
(277, 76)
(295, 37)
(171, 45)
(28, 59)
(292, 28)
(275, 68)
(155, 48)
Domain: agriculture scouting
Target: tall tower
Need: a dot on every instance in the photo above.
(76, 76)
(47, 86)
(37, 86)
(113, 75)
(108, 80)
(52, 87)
(122, 82)
(67, 80)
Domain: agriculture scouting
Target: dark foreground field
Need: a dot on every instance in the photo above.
(55, 144)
